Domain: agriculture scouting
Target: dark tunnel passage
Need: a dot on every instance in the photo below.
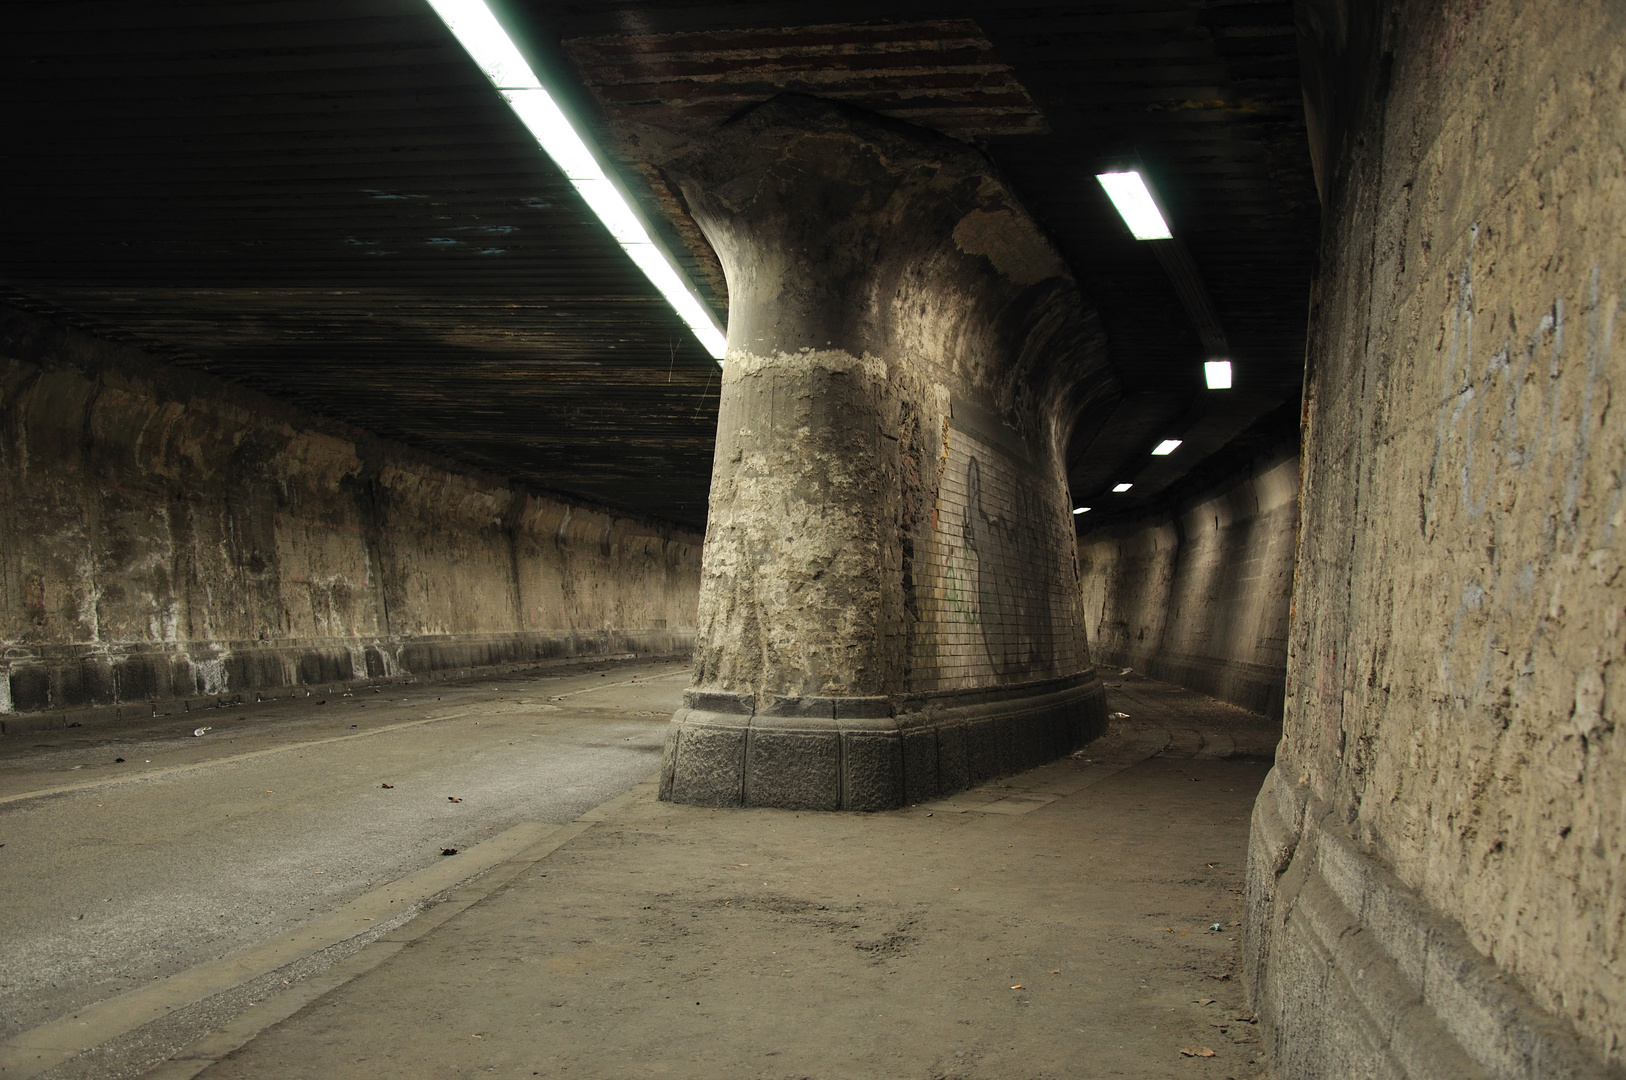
(886, 539)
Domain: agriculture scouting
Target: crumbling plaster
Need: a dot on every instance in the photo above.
(889, 529)
(1455, 657)
(166, 534)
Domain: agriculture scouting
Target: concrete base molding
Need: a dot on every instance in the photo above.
(49, 679)
(870, 753)
(1354, 974)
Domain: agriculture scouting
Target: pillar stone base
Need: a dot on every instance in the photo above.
(870, 753)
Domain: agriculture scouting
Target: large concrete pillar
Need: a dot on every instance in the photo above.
(889, 607)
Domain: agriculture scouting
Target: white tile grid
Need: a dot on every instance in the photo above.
(1001, 613)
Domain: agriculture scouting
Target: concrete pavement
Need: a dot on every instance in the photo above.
(117, 875)
(1053, 924)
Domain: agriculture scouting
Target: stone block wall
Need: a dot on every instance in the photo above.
(164, 534)
(1437, 881)
(1201, 597)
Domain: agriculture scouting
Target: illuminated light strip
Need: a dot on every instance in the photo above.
(484, 39)
(1135, 205)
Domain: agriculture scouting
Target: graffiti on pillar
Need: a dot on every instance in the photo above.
(1004, 548)
(993, 576)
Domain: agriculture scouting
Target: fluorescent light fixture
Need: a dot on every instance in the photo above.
(1121, 488)
(1130, 195)
(1166, 447)
(484, 39)
(1077, 510)
(1218, 374)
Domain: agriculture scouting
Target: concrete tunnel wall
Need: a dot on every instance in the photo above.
(164, 534)
(1200, 597)
(1437, 879)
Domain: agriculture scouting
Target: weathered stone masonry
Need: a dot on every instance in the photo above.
(1200, 597)
(1437, 880)
(163, 534)
(889, 604)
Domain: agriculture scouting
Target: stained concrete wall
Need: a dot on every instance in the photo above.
(1201, 597)
(889, 607)
(163, 534)
(1438, 868)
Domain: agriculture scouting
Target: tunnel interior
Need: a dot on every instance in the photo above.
(812, 351)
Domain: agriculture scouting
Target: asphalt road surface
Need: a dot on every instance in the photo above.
(114, 874)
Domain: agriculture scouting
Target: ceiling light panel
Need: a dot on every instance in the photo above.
(484, 39)
(1166, 447)
(1121, 488)
(1218, 374)
(1135, 204)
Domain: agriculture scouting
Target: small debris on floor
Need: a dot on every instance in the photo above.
(118, 761)
(199, 732)
(1118, 716)
(386, 785)
(448, 851)
(1196, 1051)
(1216, 926)
(453, 798)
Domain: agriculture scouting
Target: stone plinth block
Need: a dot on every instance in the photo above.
(819, 759)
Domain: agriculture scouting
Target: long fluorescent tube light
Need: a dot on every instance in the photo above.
(1121, 488)
(1218, 374)
(484, 39)
(1129, 194)
(1166, 447)
(1077, 510)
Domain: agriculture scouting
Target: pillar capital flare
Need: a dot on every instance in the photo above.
(889, 606)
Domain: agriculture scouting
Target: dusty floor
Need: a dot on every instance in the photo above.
(1057, 926)
(114, 873)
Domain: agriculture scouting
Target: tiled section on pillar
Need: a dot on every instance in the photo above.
(994, 579)
(888, 570)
